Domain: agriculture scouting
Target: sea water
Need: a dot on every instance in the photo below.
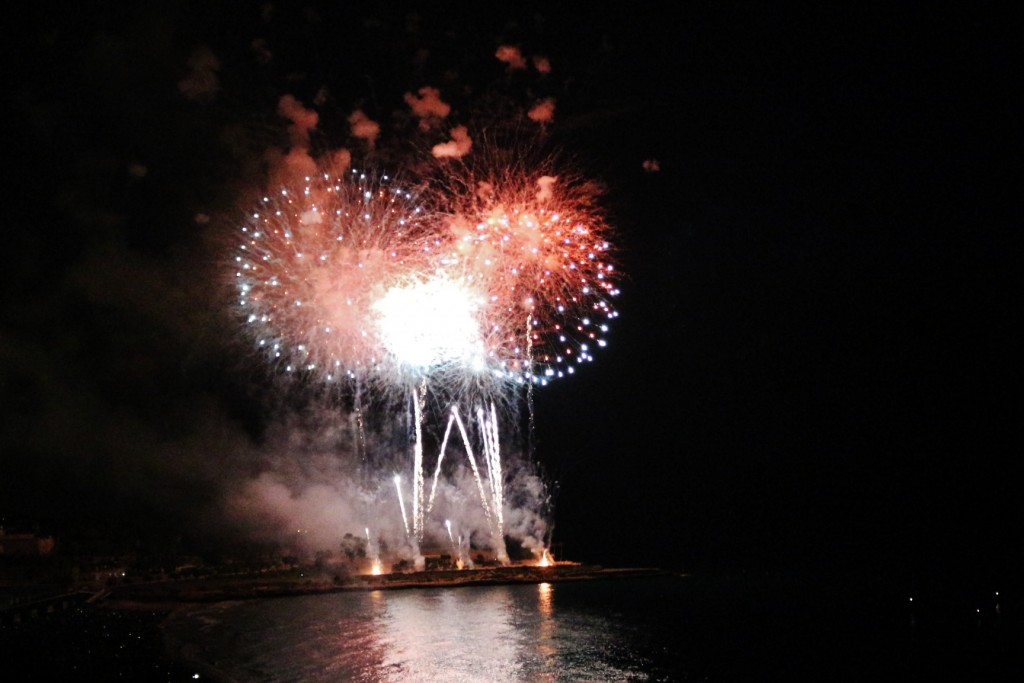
(570, 631)
(669, 628)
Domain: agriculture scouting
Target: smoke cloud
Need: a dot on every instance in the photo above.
(428, 106)
(510, 55)
(457, 147)
(201, 82)
(543, 111)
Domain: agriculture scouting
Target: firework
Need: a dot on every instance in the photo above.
(537, 245)
(351, 278)
(313, 264)
(502, 278)
(375, 565)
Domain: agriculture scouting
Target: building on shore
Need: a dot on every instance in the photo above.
(25, 545)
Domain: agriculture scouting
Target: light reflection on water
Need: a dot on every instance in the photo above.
(469, 634)
(429, 634)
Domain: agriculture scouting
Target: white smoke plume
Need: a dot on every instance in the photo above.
(309, 490)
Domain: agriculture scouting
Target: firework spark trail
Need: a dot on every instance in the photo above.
(440, 459)
(401, 502)
(360, 424)
(492, 459)
(472, 464)
(493, 456)
(417, 469)
(456, 545)
(448, 525)
(496, 477)
(373, 550)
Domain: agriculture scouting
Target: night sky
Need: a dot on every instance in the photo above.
(815, 360)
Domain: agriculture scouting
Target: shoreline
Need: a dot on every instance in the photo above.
(171, 594)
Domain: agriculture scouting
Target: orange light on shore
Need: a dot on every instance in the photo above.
(545, 560)
(376, 569)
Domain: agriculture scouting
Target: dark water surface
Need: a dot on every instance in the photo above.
(649, 629)
(670, 628)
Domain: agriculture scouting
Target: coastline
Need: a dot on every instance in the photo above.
(171, 594)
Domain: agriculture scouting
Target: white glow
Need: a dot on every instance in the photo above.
(431, 322)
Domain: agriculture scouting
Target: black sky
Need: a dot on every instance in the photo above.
(815, 361)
